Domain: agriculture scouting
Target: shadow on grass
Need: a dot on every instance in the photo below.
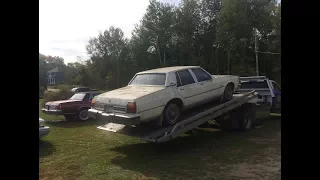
(74, 123)
(46, 148)
(192, 156)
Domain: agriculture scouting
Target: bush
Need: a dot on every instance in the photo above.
(63, 94)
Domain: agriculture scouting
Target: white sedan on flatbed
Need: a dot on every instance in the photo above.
(161, 95)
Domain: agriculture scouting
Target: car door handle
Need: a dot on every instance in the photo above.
(201, 83)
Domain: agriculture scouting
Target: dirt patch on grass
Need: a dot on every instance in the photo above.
(264, 164)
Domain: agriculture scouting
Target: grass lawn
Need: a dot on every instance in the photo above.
(78, 150)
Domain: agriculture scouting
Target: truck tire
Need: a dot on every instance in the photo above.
(247, 117)
(225, 121)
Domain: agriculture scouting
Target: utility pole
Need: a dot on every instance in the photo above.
(118, 69)
(256, 50)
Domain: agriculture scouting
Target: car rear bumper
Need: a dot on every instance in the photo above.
(51, 111)
(126, 119)
(43, 131)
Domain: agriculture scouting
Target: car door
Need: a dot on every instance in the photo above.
(206, 89)
(277, 94)
(186, 87)
(86, 100)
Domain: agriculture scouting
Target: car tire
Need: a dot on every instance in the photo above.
(69, 117)
(83, 114)
(171, 114)
(227, 94)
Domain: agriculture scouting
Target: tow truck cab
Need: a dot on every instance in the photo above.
(269, 91)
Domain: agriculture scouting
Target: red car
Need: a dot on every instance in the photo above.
(74, 108)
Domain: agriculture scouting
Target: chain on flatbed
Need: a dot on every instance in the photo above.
(197, 117)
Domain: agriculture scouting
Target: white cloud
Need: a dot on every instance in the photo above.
(66, 26)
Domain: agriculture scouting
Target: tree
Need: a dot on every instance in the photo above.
(42, 74)
(106, 52)
(237, 21)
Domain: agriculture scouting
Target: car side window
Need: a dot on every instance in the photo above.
(186, 77)
(93, 95)
(86, 97)
(276, 87)
(201, 74)
(178, 80)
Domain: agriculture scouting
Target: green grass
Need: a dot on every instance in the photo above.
(78, 150)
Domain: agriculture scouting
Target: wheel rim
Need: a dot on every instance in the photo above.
(247, 122)
(172, 113)
(84, 115)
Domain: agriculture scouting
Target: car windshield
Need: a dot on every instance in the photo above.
(158, 79)
(78, 96)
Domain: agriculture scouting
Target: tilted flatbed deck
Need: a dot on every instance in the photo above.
(194, 118)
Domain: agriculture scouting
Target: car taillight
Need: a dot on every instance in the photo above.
(59, 107)
(93, 102)
(131, 107)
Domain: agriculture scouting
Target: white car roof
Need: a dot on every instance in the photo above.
(168, 69)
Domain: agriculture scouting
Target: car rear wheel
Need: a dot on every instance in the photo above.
(171, 114)
(83, 114)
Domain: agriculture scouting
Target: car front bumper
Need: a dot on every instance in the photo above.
(43, 131)
(126, 119)
(51, 111)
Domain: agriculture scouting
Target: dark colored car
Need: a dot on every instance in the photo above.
(75, 107)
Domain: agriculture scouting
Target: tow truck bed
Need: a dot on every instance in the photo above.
(196, 117)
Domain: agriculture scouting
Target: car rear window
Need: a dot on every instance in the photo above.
(149, 79)
(78, 96)
(254, 85)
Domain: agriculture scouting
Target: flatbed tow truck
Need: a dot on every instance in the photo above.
(239, 113)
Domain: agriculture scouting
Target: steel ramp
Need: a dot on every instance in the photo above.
(194, 118)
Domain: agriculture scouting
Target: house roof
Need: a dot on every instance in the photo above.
(56, 69)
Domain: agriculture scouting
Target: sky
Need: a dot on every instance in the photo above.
(65, 26)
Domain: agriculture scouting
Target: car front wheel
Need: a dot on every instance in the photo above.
(227, 94)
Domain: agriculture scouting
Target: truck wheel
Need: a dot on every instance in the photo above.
(227, 94)
(247, 117)
(171, 113)
(69, 117)
(245, 122)
(83, 114)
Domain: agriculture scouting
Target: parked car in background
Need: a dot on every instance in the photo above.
(80, 89)
(74, 108)
(43, 130)
(162, 92)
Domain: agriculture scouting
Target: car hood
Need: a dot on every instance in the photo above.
(61, 101)
(129, 93)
